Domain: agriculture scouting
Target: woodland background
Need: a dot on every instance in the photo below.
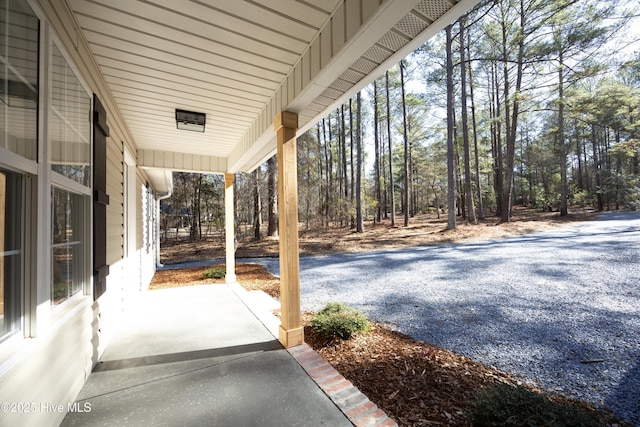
(518, 103)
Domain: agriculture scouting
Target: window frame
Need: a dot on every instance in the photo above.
(57, 180)
(12, 157)
(22, 252)
(32, 176)
(58, 177)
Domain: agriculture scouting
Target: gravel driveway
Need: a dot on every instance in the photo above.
(560, 308)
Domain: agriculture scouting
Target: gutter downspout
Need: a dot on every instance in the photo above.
(163, 196)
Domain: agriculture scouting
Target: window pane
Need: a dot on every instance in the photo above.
(70, 124)
(11, 214)
(18, 78)
(67, 249)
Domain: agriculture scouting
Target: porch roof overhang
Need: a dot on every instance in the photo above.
(242, 62)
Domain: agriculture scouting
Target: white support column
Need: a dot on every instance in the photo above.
(229, 229)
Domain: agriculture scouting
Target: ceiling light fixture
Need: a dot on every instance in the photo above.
(190, 120)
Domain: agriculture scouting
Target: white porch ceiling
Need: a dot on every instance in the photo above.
(241, 62)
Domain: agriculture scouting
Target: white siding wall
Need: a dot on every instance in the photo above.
(51, 366)
(50, 370)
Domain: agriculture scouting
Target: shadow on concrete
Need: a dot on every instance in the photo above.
(111, 365)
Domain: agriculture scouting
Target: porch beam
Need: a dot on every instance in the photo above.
(291, 332)
(183, 162)
(229, 229)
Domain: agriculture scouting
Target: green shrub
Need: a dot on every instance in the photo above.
(217, 272)
(340, 321)
(506, 405)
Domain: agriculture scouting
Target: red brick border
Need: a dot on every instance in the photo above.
(352, 402)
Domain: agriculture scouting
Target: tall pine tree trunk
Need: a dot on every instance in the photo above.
(272, 171)
(353, 180)
(511, 113)
(327, 169)
(330, 183)
(496, 140)
(196, 232)
(564, 186)
(465, 127)
(359, 216)
(597, 164)
(321, 187)
(475, 145)
(579, 156)
(507, 190)
(406, 192)
(451, 193)
(391, 181)
(339, 135)
(376, 139)
(257, 206)
(587, 177)
(344, 152)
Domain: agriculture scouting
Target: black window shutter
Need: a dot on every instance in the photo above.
(100, 198)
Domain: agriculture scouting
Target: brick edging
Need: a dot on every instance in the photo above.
(352, 402)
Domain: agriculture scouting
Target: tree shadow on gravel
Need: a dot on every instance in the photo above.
(461, 257)
(626, 399)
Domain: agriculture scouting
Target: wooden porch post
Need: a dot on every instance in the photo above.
(291, 332)
(229, 229)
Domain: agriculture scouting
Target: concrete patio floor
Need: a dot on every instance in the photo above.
(200, 355)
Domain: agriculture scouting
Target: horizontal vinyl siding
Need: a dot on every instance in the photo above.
(141, 181)
(115, 189)
(53, 370)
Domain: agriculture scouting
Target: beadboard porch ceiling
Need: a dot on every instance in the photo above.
(241, 62)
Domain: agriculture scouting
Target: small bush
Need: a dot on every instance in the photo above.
(340, 321)
(506, 405)
(217, 272)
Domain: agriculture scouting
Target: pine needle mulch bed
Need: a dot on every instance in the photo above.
(250, 276)
(415, 383)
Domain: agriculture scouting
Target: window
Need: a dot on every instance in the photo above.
(70, 126)
(70, 159)
(11, 253)
(67, 249)
(19, 52)
(18, 79)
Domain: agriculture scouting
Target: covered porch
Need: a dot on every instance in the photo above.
(216, 361)
(246, 78)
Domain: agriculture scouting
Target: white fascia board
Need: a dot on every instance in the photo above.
(440, 24)
(385, 18)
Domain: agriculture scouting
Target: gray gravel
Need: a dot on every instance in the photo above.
(558, 308)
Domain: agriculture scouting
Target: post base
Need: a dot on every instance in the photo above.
(291, 337)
